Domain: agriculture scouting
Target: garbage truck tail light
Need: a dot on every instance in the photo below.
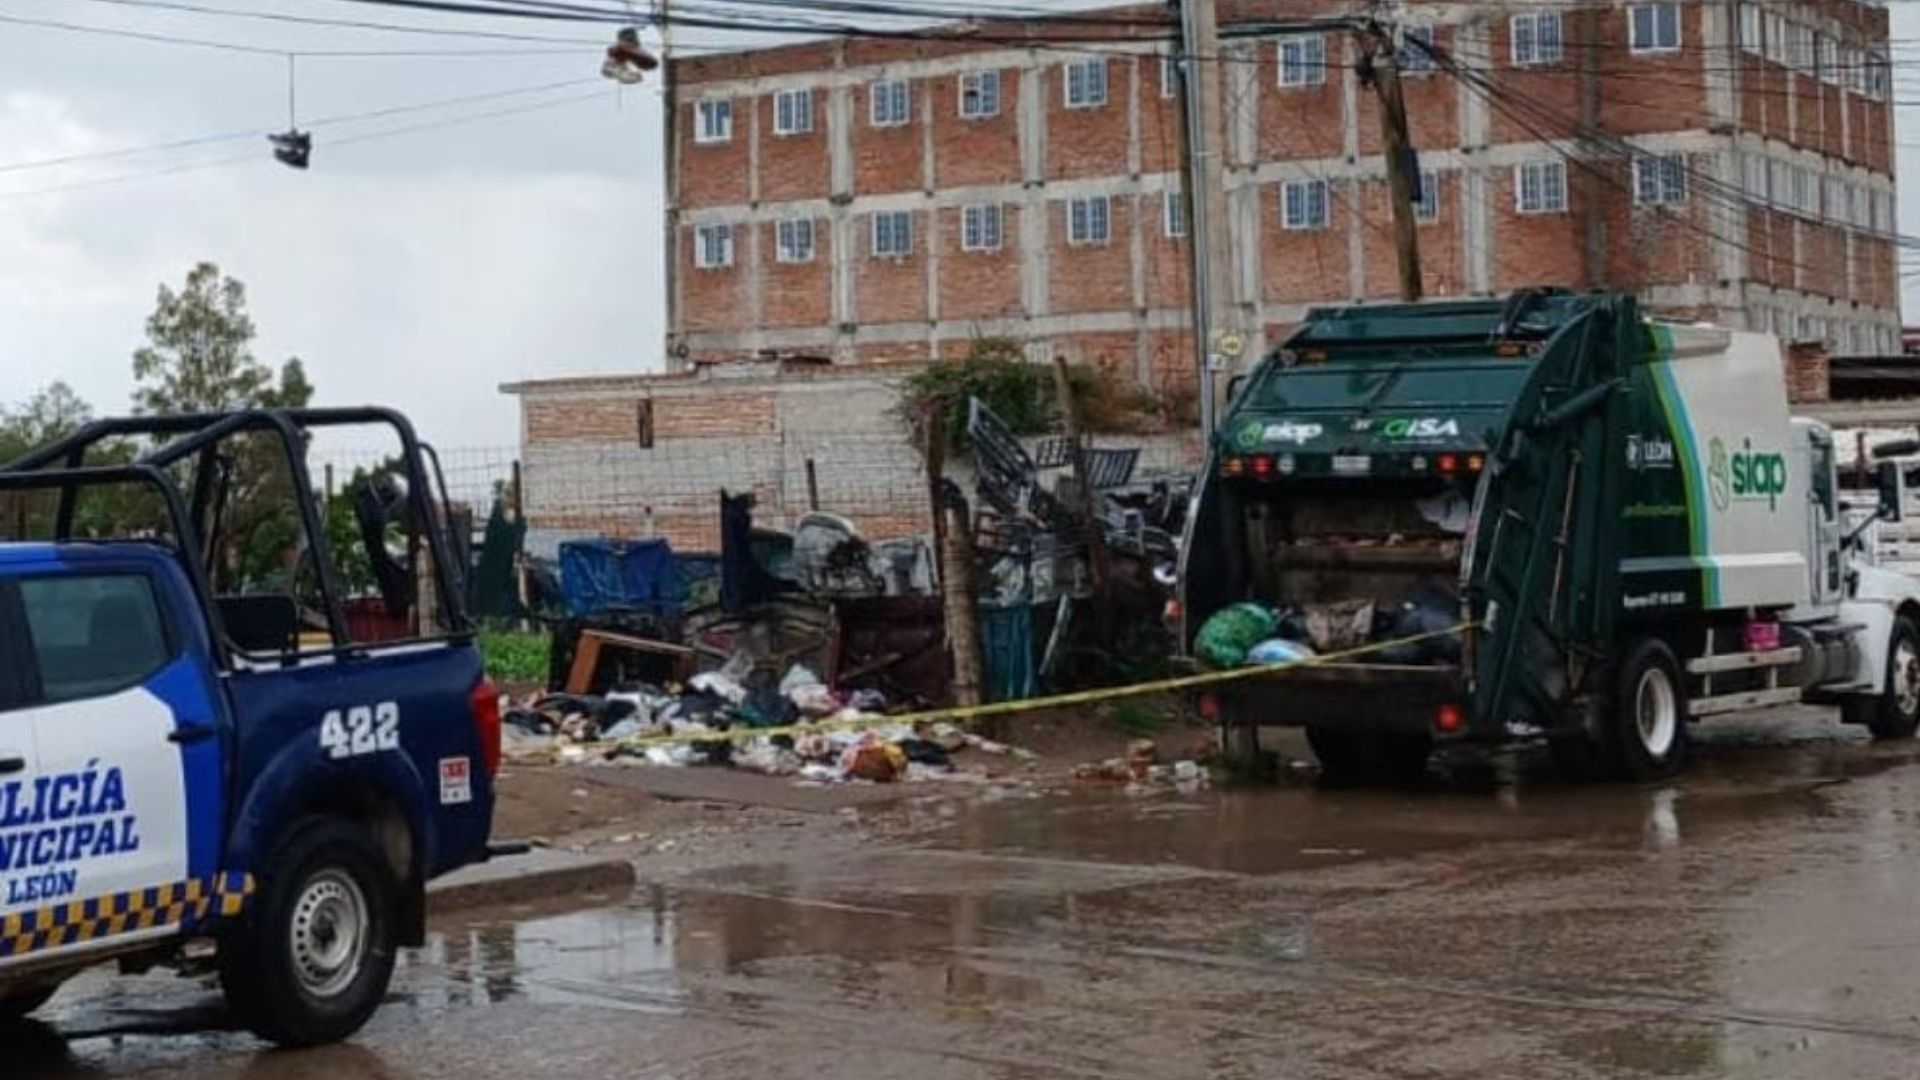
(1170, 613)
(1476, 462)
(1448, 719)
(485, 705)
(1233, 466)
(1209, 706)
(1262, 467)
(1448, 463)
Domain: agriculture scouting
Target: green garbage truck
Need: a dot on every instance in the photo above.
(1621, 518)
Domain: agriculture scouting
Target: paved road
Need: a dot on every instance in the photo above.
(1759, 918)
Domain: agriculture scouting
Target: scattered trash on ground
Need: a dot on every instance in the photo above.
(860, 742)
(1142, 768)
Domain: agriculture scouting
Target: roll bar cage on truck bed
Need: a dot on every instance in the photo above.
(179, 764)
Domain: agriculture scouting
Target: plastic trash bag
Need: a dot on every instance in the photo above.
(1279, 651)
(1227, 634)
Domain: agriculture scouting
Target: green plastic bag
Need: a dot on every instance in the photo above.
(1227, 634)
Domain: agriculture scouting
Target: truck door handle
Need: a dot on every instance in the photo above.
(191, 733)
(12, 765)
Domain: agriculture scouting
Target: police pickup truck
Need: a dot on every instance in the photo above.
(198, 778)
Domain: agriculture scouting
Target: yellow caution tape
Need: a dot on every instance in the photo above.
(1050, 701)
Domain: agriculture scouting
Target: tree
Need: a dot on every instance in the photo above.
(53, 412)
(199, 358)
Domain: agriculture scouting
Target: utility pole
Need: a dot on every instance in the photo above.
(1200, 43)
(1402, 173)
(670, 162)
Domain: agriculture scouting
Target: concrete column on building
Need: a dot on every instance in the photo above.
(1137, 260)
(756, 280)
(1135, 86)
(753, 150)
(840, 141)
(1243, 105)
(1242, 108)
(929, 183)
(846, 250)
(1718, 27)
(1034, 233)
(1727, 217)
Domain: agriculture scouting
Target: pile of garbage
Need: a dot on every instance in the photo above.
(1412, 632)
(813, 732)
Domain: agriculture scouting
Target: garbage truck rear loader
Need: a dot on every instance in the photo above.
(1620, 516)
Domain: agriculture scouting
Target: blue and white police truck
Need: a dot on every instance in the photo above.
(203, 772)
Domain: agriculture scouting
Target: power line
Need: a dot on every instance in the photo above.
(344, 118)
(351, 24)
(264, 50)
(256, 158)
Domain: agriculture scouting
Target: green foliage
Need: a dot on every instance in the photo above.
(199, 358)
(1021, 393)
(1137, 719)
(515, 657)
(53, 412)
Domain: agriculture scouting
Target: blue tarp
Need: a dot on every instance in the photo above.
(598, 576)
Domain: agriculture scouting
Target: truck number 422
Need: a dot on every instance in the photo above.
(362, 729)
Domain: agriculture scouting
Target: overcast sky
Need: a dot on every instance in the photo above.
(420, 270)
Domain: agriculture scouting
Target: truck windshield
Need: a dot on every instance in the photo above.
(1490, 384)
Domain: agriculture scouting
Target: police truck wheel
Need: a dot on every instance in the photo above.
(311, 958)
(1896, 712)
(19, 1004)
(1647, 727)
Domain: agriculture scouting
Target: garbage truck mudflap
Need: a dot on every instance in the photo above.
(1355, 697)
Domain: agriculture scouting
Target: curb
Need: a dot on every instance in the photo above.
(520, 879)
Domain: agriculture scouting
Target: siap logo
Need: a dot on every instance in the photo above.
(1422, 427)
(1648, 453)
(1292, 431)
(1745, 474)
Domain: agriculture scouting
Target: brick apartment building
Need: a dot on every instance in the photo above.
(864, 200)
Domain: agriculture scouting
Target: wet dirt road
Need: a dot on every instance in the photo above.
(1758, 918)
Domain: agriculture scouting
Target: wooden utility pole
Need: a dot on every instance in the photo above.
(953, 560)
(1085, 503)
(1402, 173)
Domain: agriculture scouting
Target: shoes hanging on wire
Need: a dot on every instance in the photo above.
(627, 62)
(292, 147)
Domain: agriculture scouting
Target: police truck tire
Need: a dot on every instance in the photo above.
(19, 1004)
(1647, 726)
(311, 958)
(1896, 712)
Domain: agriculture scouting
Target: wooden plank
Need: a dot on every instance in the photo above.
(1742, 661)
(1746, 699)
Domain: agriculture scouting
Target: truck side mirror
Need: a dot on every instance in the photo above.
(1888, 476)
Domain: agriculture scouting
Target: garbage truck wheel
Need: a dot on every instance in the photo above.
(19, 1004)
(1896, 712)
(311, 958)
(1647, 726)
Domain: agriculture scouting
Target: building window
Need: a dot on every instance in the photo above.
(887, 103)
(1087, 83)
(1800, 48)
(1756, 169)
(1862, 212)
(1803, 190)
(1173, 214)
(713, 121)
(793, 241)
(1089, 220)
(1540, 187)
(643, 423)
(1660, 180)
(1169, 74)
(713, 246)
(1415, 54)
(1426, 201)
(980, 227)
(1536, 38)
(1303, 60)
(1829, 60)
(979, 95)
(1750, 19)
(1877, 77)
(1775, 46)
(1653, 28)
(892, 234)
(1303, 204)
(792, 112)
